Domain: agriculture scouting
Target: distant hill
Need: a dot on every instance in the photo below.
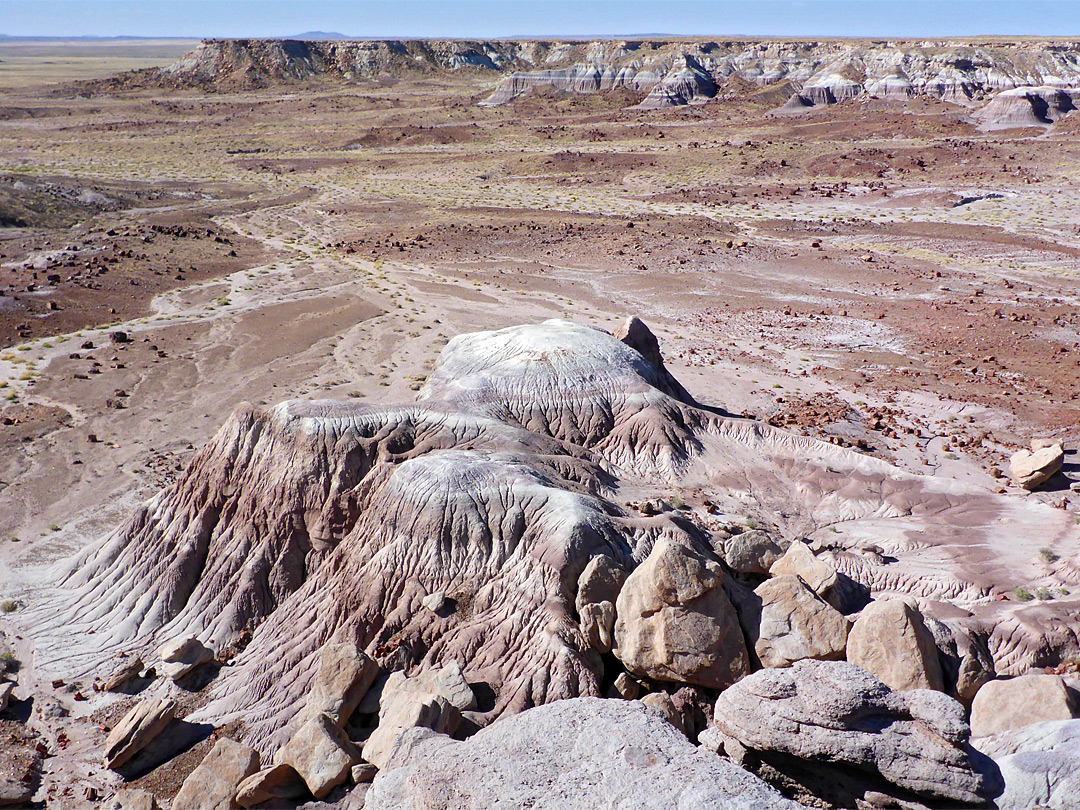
(320, 36)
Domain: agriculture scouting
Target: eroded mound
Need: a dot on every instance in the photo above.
(491, 524)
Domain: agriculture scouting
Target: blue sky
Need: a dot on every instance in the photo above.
(500, 18)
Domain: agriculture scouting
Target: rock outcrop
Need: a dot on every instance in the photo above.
(572, 753)
(890, 641)
(1027, 107)
(512, 487)
(1037, 697)
(433, 700)
(834, 712)
(1038, 763)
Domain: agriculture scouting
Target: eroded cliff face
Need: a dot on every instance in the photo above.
(664, 72)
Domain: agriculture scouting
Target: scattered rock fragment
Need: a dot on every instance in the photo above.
(280, 782)
(821, 577)
(752, 552)
(344, 676)
(1038, 763)
(132, 799)
(572, 753)
(123, 675)
(181, 655)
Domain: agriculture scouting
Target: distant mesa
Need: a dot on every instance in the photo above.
(660, 72)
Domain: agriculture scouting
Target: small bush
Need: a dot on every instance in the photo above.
(10, 606)
(1043, 594)
(54, 527)
(8, 662)
(1048, 555)
(1023, 594)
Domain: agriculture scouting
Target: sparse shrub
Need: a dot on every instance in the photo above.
(8, 662)
(1043, 594)
(1048, 555)
(53, 527)
(10, 606)
(1023, 594)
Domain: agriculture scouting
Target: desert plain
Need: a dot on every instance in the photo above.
(889, 280)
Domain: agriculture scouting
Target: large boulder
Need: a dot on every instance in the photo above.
(586, 752)
(821, 577)
(675, 622)
(1039, 764)
(132, 799)
(321, 753)
(795, 623)
(181, 655)
(1030, 468)
(138, 728)
(890, 641)
(836, 713)
(345, 674)
(213, 784)
(1037, 697)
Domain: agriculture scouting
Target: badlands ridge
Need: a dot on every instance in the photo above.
(1040, 79)
(438, 592)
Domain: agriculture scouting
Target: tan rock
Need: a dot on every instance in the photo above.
(137, 729)
(132, 799)
(1008, 704)
(321, 753)
(675, 623)
(6, 688)
(796, 623)
(344, 677)
(752, 552)
(1030, 468)
(123, 674)
(662, 702)
(403, 710)
(446, 681)
(624, 687)
(279, 782)
(213, 784)
(364, 772)
(800, 561)
(890, 641)
(181, 655)
(598, 588)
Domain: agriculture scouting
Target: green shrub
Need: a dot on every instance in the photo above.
(1048, 555)
(1023, 594)
(10, 606)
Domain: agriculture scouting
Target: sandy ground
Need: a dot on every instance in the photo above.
(890, 280)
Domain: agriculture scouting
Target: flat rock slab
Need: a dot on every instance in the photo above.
(585, 752)
(1040, 764)
(138, 729)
